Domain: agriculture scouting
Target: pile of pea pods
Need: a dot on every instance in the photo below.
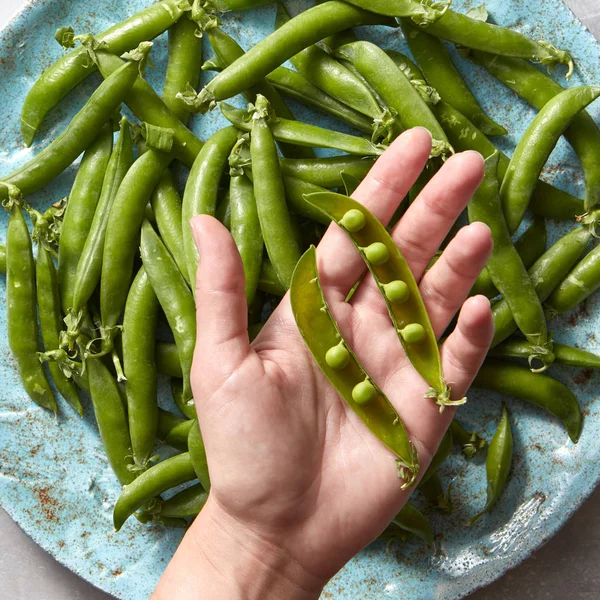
(118, 254)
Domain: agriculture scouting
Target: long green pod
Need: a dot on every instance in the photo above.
(51, 322)
(469, 442)
(497, 464)
(21, 310)
(183, 66)
(535, 147)
(186, 406)
(174, 297)
(397, 285)
(269, 192)
(167, 421)
(148, 106)
(395, 89)
(198, 455)
(299, 33)
(546, 274)
(328, 74)
(530, 246)
(438, 458)
(111, 418)
(167, 205)
(327, 172)
(412, 520)
(304, 134)
(65, 74)
(201, 190)
(547, 201)
(339, 364)
(167, 359)
(79, 215)
(177, 437)
(268, 281)
(506, 267)
(565, 355)
(538, 89)
(85, 127)
(441, 73)
(227, 5)
(163, 476)
(435, 494)
(295, 192)
(122, 234)
(577, 286)
(186, 504)
(89, 267)
(518, 381)
(3, 259)
(139, 333)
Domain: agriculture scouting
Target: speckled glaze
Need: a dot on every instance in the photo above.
(55, 480)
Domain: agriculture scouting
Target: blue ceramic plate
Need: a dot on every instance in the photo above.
(54, 478)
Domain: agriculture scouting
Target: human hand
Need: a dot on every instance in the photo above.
(299, 484)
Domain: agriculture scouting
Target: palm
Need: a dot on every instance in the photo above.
(285, 452)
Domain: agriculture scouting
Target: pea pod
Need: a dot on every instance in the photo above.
(538, 89)
(565, 355)
(268, 281)
(506, 267)
(186, 504)
(81, 131)
(139, 331)
(3, 259)
(412, 520)
(167, 359)
(303, 134)
(470, 443)
(396, 90)
(174, 297)
(201, 190)
(167, 421)
(518, 381)
(178, 436)
(51, 321)
(397, 285)
(440, 73)
(535, 147)
(326, 172)
(295, 192)
(186, 406)
(65, 74)
(547, 201)
(344, 371)
(269, 191)
(438, 458)
(161, 477)
(79, 215)
(497, 464)
(435, 494)
(299, 33)
(227, 5)
(21, 310)
(198, 455)
(546, 274)
(111, 419)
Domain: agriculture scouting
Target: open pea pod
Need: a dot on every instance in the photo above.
(397, 285)
(344, 371)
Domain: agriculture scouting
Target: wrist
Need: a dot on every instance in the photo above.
(221, 558)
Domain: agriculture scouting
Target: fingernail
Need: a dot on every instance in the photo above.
(425, 129)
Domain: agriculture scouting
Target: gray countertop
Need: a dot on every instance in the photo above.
(566, 567)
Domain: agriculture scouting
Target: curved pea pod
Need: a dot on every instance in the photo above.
(295, 192)
(268, 281)
(187, 407)
(543, 391)
(177, 437)
(397, 285)
(339, 364)
(439, 457)
(2, 258)
(435, 494)
(163, 476)
(111, 419)
(228, 5)
(167, 421)
(326, 172)
(564, 355)
(303, 134)
(198, 455)
(174, 297)
(21, 310)
(497, 464)
(184, 505)
(535, 147)
(412, 520)
(167, 359)
(470, 443)
(85, 126)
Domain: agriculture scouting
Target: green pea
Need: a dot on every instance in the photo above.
(377, 253)
(337, 357)
(413, 333)
(364, 392)
(353, 220)
(397, 291)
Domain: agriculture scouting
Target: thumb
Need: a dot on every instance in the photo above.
(221, 308)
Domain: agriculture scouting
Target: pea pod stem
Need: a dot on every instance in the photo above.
(312, 315)
(469, 442)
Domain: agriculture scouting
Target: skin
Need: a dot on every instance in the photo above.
(285, 535)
